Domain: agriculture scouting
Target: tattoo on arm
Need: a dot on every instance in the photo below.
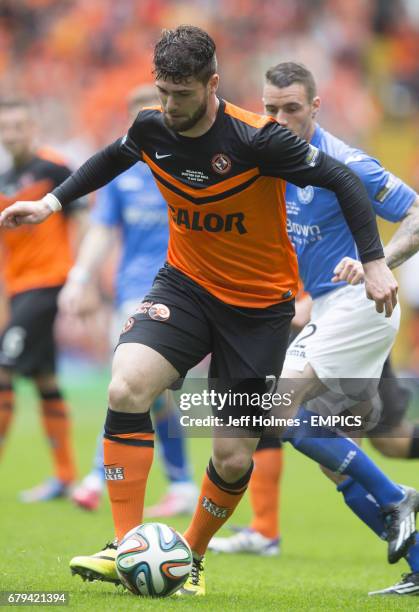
(405, 241)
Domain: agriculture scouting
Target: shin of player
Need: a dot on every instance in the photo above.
(129, 436)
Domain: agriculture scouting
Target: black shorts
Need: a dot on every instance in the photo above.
(184, 323)
(27, 343)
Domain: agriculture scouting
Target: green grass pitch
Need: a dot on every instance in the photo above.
(329, 560)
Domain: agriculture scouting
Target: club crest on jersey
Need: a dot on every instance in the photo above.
(305, 195)
(159, 312)
(221, 163)
(128, 325)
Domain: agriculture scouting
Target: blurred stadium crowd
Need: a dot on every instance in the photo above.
(77, 60)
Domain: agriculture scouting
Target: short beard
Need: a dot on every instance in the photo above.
(189, 123)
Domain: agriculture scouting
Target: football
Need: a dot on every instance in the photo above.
(153, 560)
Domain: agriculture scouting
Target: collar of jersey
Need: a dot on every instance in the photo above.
(317, 136)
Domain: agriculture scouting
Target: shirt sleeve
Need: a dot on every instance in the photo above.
(107, 209)
(390, 197)
(280, 153)
(59, 174)
(102, 167)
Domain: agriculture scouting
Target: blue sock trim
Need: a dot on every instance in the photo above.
(343, 486)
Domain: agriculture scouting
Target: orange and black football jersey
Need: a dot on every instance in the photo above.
(35, 256)
(227, 220)
(225, 196)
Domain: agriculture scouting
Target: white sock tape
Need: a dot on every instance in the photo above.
(52, 202)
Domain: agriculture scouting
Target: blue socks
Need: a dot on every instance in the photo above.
(366, 508)
(171, 439)
(98, 459)
(363, 505)
(341, 455)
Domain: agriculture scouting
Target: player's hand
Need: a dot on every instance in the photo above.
(77, 299)
(380, 286)
(21, 213)
(349, 270)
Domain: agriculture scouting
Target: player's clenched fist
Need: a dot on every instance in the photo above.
(349, 270)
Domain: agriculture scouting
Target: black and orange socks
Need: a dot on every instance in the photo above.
(57, 425)
(6, 412)
(217, 502)
(264, 490)
(128, 455)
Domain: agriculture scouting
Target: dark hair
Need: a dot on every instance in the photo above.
(287, 73)
(185, 52)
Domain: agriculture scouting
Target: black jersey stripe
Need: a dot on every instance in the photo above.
(201, 191)
(208, 199)
(129, 441)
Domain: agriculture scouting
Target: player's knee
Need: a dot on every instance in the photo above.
(129, 396)
(231, 467)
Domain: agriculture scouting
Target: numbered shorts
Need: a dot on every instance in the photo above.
(27, 344)
(346, 339)
(184, 323)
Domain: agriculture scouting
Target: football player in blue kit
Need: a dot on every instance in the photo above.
(344, 338)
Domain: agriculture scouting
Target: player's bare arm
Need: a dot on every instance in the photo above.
(77, 297)
(80, 224)
(405, 241)
(404, 244)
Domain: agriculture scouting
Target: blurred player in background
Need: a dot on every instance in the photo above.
(132, 207)
(35, 266)
(290, 97)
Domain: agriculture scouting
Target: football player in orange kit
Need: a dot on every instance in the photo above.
(228, 286)
(36, 262)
